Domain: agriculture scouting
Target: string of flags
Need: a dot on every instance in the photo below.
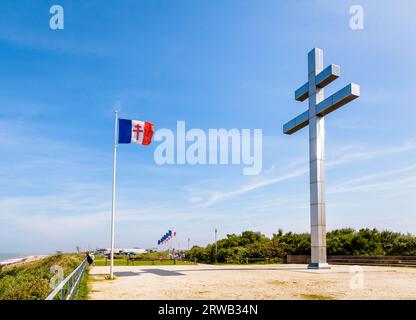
(166, 237)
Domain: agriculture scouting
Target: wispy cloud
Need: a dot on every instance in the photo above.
(218, 196)
(366, 153)
(379, 174)
(208, 198)
(393, 181)
(402, 183)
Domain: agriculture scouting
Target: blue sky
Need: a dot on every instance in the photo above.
(215, 64)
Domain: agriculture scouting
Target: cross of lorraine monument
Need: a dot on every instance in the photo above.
(318, 78)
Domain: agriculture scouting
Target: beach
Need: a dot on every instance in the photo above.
(14, 259)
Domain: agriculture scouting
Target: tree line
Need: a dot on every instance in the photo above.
(249, 244)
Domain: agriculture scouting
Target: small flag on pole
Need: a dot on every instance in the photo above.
(140, 132)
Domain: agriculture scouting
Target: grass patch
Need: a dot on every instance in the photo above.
(30, 281)
(317, 297)
(243, 262)
(124, 262)
(278, 282)
(200, 292)
(97, 278)
(83, 289)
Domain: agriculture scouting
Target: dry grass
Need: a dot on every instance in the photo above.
(278, 282)
(317, 297)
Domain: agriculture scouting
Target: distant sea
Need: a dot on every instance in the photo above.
(8, 256)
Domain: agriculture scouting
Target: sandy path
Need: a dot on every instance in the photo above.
(251, 282)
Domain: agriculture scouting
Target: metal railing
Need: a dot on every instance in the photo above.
(68, 288)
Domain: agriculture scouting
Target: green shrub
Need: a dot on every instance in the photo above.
(346, 241)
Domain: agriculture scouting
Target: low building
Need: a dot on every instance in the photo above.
(122, 251)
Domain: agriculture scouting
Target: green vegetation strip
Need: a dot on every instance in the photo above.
(30, 281)
(124, 262)
(142, 259)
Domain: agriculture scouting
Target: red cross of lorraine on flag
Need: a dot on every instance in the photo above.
(142, 132)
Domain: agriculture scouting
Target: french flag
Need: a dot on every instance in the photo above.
(137, 131)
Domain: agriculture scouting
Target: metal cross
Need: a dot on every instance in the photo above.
(318, 78)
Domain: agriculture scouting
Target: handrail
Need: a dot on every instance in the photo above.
(68, 287)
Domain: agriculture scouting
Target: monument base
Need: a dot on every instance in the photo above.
(316, 265)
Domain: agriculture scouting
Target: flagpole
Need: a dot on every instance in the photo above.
(113, 205)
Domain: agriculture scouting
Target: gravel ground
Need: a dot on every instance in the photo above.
(253, 282)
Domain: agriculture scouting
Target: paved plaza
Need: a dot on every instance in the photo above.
(252, 282)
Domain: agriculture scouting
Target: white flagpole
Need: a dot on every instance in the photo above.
(113, 206)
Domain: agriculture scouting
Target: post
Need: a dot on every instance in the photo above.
(189, 240)
(316, 164)
(216, 246)
(318, 78)
(113, 205)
